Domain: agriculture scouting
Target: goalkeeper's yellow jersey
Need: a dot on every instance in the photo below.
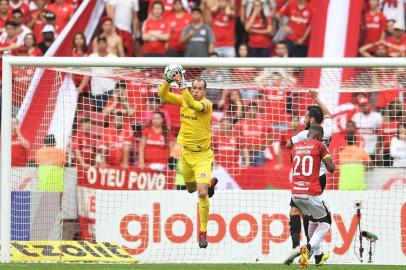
(195, 118)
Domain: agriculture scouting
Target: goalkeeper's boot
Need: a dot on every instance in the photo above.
(203, 240)
(320, 259)
(293, 254)
(213, 183)
(304, 257)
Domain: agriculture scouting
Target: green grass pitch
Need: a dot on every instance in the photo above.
(71, 266)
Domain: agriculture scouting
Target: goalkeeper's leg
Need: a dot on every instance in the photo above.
(204, 207)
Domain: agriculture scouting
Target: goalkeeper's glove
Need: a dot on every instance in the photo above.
(171, 71)
(180, 78)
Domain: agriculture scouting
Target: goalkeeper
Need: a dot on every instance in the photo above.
(195, 138)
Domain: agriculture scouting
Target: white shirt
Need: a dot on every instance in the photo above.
(398, 152)
(100, 85)
(367, 125)
(20, 37)
(123, 16)
(328, 132)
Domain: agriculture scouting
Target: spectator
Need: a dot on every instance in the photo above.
(232, 104)
(79, 47)
(223, 26)
(154, 104)
(393, 115)
(22, 30)
(19, 145)
(216, 76)
(368, 121)
(155, 32)
(259, 28)
(125, 16)
(5, 14)
(114, 41)
(38, 20)
(48, 37)
(119, 103)
(281, 50)
(398, 147)
(156, 144)
(197, 36)
(375, 49)
(101, 88)
(177, 165)
(177, 22)
(339, 140)
(115, 146)
(63, 12)
(298, 28)
(30, 46)
(9, 41)
(374, 24)
(397, 42)
(247, 6)
(51, 161)
(243, 50)
(255, 137)
(226, 144)
(84, 145)
(389, 28)
(20, 4)
(353, 160)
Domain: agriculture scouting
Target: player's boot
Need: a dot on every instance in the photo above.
(203, 240)
(293, 254)
(320, 259)
(304, 257)
(213, 183)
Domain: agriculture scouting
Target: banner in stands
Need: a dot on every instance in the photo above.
(246, 226)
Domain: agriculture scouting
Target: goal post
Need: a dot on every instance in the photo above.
(247, 216)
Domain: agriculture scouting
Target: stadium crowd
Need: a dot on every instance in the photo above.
(253, 125)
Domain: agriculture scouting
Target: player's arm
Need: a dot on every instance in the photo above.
(301, 136)
(328, 161)
(323, 107)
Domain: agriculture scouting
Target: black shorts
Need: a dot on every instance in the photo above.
(322, 181)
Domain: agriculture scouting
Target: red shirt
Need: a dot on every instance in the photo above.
(260, 40)
(37, 29)
(114, 141)
(375, 25)
(275, 105)
(388, 130)
(223, 28)
(63, 13)
(5, 43)
(86, 143)
(137, 98)
(35, 52)
(176, 26)
(156, 147)
(307, 157)
(25, 8)
(299, 19)
(253, 133)
(400, 43)
(151, 25)
(4, 20)
(226, 148)
(19, 155)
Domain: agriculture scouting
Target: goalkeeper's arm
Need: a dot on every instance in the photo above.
(169, 97)
(191, 102)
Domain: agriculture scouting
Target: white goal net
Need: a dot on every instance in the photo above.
(96, 171)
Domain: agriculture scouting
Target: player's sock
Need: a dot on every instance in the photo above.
(306, 228)
(213, 183)
(204, 206)
(295, 227)
(318, 236)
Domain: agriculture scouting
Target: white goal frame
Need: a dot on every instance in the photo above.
(10, 61)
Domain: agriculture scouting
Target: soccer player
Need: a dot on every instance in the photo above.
(307, 159)
(315, 115)
(195, 138)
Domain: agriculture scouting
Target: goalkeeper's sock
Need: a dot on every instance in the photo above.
(204, 206)
(295, 227)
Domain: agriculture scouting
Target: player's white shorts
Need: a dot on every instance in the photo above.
(311, 205)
